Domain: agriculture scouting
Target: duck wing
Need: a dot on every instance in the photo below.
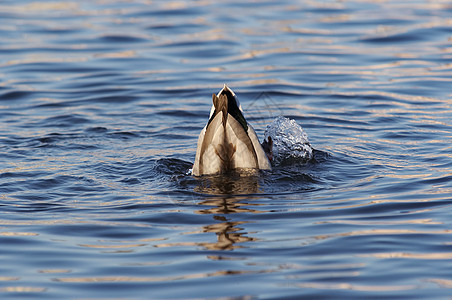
(262, 158)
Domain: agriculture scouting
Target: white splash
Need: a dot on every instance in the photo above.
(290, 141)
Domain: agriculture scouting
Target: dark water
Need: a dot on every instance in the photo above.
(101, 103)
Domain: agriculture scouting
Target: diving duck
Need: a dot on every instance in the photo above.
(228, 142)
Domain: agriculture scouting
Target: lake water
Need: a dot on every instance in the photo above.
(101, 104)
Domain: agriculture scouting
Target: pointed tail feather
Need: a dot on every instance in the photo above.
(221, 105)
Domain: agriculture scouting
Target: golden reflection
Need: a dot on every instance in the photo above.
(329, 274)
(426, 256)
(121, 54)
(307, 31)
(255, 53)
(214, 34)
(113, 246)
(9, 278)
(21, 289)
(18, 234)
(145, 264)
(334, 18)
(67, 222)
(367, 223)
(178, 244)
(406, 55)
(174, 5)
(121, 246)
(54, 271)
(111, 279)
(444, 283)
(356, 287)
(46, 59)
(35, 7)
(382, 232)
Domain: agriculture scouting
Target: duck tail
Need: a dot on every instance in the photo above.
(225, 150)
(221, 105)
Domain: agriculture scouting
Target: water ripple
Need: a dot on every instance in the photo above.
(101, 104)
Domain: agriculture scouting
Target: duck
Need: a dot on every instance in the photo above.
(228, 142)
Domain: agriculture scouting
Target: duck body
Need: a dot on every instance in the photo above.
(228, 142)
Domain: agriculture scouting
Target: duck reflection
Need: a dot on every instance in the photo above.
(228, 234)
(228, 194)
(235, 182)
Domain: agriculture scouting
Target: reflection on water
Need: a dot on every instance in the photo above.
(233, 183)
(229, 189)
(101, 104)
(228, 233)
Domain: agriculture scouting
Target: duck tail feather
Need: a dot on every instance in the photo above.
(221, 105)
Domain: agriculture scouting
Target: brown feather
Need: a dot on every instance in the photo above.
(230, 147)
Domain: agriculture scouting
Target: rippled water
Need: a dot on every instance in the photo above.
(101, 103)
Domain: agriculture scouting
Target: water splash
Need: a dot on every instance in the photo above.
(290, 141)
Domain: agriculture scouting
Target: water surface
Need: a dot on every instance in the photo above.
(101, 104)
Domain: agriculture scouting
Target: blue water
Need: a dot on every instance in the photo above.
(101, 104)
